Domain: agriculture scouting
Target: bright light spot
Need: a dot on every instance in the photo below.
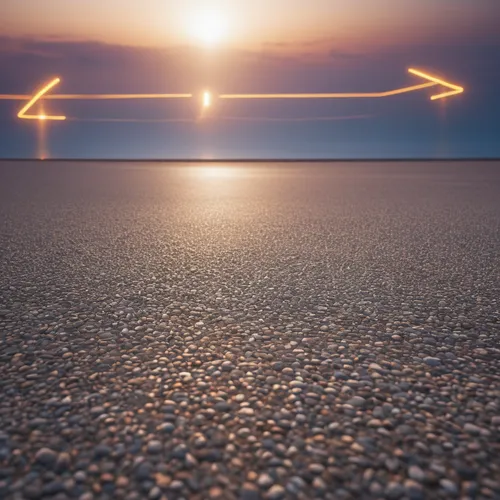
(207, 99)
(42, 117)
(208, 27)
(206, 172)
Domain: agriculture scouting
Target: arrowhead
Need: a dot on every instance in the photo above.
(22, 114)
(455, 89)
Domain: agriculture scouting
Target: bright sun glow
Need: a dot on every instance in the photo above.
(207, 99)
(208, 27)
(216, 172)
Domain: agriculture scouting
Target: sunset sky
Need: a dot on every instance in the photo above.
(263, 46)
(162, 23)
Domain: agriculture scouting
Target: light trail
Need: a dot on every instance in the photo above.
(359, 95)
(22, 114)
(223, 118)
(432, 82)
(207, 99)
(91, 97)
(456, 89)
(133, 120)
(299, 119)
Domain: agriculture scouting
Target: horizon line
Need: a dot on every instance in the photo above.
(249, 160)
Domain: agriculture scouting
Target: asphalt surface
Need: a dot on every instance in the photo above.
(249, 331)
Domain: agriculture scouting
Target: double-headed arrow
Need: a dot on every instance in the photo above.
(431, 81)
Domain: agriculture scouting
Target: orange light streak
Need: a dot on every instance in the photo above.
(359, 95)
(207, 96)
(433, 81)
(83, 97)
(455, 89)
(22, 114)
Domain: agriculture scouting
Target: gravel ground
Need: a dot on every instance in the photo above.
(249, 332)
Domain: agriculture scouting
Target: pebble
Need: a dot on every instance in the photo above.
(265, 481)
(357, 401)
(432, 361)
(46, 457)
(416, 473)
(154, 447)
(276, 492)
(448, 486)
(249, 491)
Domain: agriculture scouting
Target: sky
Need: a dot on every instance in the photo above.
(258, 47)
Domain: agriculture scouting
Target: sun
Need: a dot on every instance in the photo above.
(208, 27)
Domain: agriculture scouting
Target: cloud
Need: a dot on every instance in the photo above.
(342, 55)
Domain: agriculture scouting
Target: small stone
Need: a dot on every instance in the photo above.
(166, 428)
(52, 488)
(265, 480)
(449, 486)
(249, 491)
(316, 468)
(154, 447)
(176, 485)
(222, 406)
(122, 481)
(319, 484)
(416, 473)
(414, 489)
(154, 493)
(95, 411)
(472, 429)
(432, 361)
(101, 450)
(276, 492)
(162, 480)
(215, 492)
(394, 490)
(248, 412)
(63, 461)
(357, 401)
(46, 457)
(80, 476)
(143, 471)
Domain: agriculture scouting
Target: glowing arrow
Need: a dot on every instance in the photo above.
(22, 114)
(42, 94)
(432, 82)
(455, 89)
